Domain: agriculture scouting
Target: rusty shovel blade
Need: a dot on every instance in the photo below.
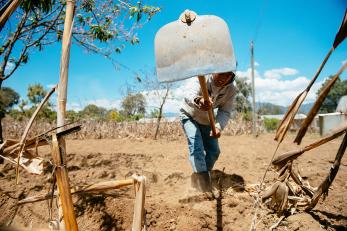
(199, 46)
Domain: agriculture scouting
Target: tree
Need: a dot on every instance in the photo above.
(8, 98)
(159, 93)
(134, 105)
(154, 113)
(36, 93)
(114, 115)
(94, 112)
(73, 116)
(338, 90)
(242, 103)
(102, 27)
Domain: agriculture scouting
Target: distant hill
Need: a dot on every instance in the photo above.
(305, 108)
(269, 108)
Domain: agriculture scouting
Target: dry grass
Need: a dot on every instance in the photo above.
(110, 130)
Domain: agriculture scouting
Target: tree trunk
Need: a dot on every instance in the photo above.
(161, 111)
(1, 139)
(158, 122)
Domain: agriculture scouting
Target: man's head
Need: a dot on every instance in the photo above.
(223, 79)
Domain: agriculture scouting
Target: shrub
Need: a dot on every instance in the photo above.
(271, 124)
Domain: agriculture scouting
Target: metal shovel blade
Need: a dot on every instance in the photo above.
(201, 47)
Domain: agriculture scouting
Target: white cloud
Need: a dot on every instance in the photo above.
(175, 98)
(278, 73)
(283, 92)
(248, 74)
(9, 67)
(344, 61)
(106, 103)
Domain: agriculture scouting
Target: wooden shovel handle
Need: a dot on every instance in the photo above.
(206, 98)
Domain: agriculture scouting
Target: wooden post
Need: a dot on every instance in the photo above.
(62, 177)
(64, 70)
(64, 63)
(8, 12)
(139, 211)
(254, 119)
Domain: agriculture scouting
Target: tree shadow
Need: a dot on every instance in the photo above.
(223, 181)
(325, 219)
(234, 181)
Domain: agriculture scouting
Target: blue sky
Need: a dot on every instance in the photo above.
(291, 39)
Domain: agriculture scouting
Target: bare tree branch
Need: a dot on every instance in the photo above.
(12, 42)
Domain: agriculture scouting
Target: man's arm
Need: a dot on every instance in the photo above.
(224, 111)
(192, 93)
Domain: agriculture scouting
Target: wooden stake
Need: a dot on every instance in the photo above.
(24, 136)
(64, 63)
(97, 187)
(8, 12)
(64, 70)
(63, 186)
(138, 219)
(325, 185)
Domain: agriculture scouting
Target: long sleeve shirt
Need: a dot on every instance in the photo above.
(222, 99)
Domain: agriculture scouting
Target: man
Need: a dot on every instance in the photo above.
(203, 146)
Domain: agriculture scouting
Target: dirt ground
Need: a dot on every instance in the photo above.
(169, 204)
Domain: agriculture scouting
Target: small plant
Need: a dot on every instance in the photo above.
(271, 124)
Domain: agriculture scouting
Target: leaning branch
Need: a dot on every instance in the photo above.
(102, 186)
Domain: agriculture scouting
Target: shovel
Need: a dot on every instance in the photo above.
(194, 45)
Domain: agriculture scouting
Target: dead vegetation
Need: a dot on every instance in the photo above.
(112, 130)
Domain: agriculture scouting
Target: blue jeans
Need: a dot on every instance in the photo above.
(203, 148)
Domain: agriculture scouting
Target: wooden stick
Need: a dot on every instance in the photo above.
(97, 187)
(291, 155)
(64, 63)
(289, 116)
(139, 211)
(275, 225)
(324, 186)
(63, 79)
(32, 142)
(62, 177)
(204, 91)
(314, 110)
(8, 11)
(11, 228)
(24, 136)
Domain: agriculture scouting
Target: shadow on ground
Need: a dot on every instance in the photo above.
(224, 181)
(327, 220)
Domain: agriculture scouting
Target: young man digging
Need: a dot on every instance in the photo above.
(203, 146)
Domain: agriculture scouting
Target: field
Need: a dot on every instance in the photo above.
(169, 202)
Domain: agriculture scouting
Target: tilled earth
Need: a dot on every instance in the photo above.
(170, 203)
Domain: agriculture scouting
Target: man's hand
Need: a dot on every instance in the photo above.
(217, 135)
(204, 105)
